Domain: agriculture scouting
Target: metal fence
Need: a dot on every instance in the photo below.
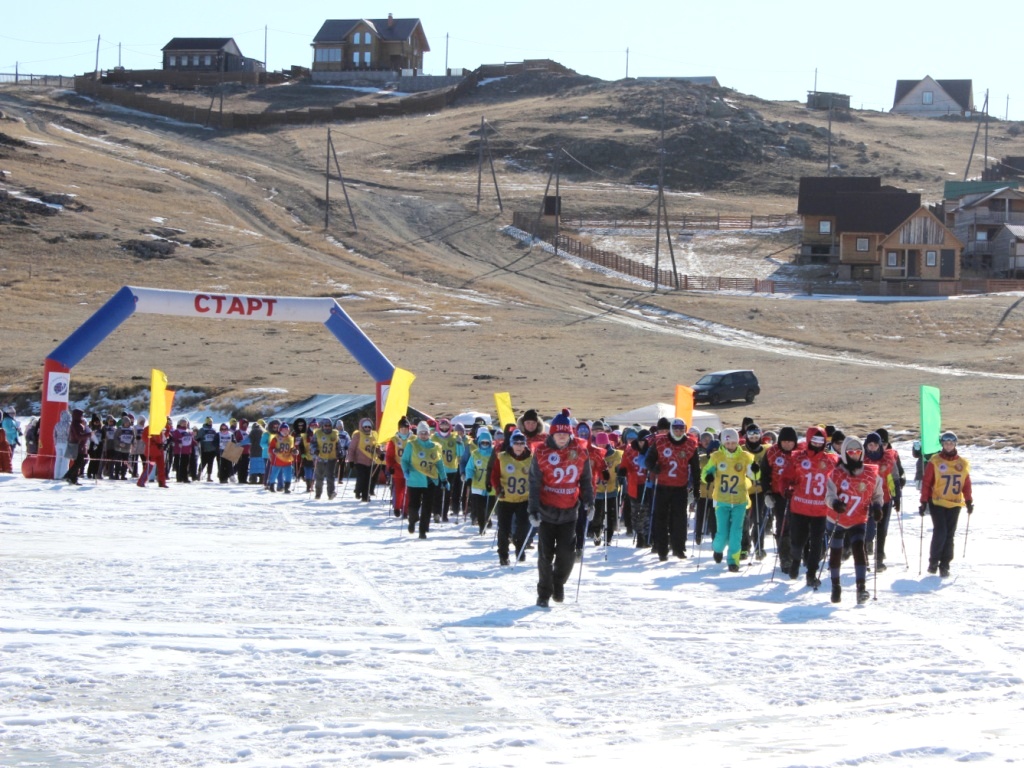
(21, 78)
(691, 222)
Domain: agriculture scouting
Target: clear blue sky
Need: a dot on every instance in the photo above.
(766, 49)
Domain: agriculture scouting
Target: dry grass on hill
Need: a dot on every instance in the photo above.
(437, 286)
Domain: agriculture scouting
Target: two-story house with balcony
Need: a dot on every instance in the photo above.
(362, 45)
(978, 212)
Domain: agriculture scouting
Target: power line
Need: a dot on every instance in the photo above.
(45, 42)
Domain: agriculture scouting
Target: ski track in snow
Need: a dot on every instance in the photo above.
(211, 624)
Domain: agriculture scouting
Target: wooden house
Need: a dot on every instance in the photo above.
(1008, 251)
(920, 248)
(977, 212)
(206, 54)
(933, 98)
(874, 232)
(391, 44)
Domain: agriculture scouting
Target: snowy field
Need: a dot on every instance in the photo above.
(208, 625)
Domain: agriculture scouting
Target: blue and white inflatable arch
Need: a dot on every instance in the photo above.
(129, 300)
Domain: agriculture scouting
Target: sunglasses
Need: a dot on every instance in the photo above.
(854, 454)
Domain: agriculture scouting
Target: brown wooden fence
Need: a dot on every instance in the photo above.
(416, 103)
(663, 277)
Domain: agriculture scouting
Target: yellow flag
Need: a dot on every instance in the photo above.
(397, 404)
(506, 416)
(158, 405)
(684, 404)
(169, 397)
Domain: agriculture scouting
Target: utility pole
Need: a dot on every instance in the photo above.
(446, 54)
(479, 161)
(627, 63)
(828, 171)
(118, 55)
(97, 70)
(1007, 117)
(984, 173)
(815, 79)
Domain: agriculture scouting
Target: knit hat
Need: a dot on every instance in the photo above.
(531, 415)
(787, 433)
(402, 422)
(663, 423)
(678, 424)
(598, 426)
(517, 437)
(208, 421)
(561, 423)
(423, 428)
(884, 434)
(730, 435)
(601, 439)
(483, 436)
(283, 428)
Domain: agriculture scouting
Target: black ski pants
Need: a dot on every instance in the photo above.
(669, 527)
(513, 523)
(944, 521)
(806, 532)
(422, 504)
(556, 555)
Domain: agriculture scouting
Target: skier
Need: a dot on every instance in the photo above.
(156, 441)
(282, 460)
(181, 438)
(704, 517)
(560, 481)
(475, 478)
(730, 469)
(637, 491)
(853, 490)
(257, 457)
(774, 467)
(754, 526)
(325, 449)
(209, 445)
(510, 473)
(673, 466)
(393, 464)
(804, 484)
(425, 478)
(946, 488)
(597, 467)
(361, 454)
(78, 435)
(887, 461)
(452, 448)
(225, 468)
(606, 508)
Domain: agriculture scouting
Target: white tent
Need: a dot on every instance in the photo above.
(650, 414)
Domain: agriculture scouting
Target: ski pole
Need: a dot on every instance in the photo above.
(703, 533)
(967, 532)
(523, 548)
(781, 538)
(920, 555)
(874, 578)
(903, 546)
(580, 579)
(828, 551)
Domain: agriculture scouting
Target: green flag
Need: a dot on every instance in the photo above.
(931, 420)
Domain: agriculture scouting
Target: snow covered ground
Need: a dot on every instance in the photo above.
(213, 625)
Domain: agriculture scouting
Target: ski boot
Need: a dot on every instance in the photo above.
(837, 592)
(862, 593)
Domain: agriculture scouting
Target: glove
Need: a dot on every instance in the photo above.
(606, 475)
(970, 507)
(535, 520)
(839, 506)
(589, 509)
(655, 468)
(769, 501)
(896, 503)
(876, 512)
(923, 509)
(445, 486)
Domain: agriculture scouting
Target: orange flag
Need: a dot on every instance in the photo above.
(684, 404)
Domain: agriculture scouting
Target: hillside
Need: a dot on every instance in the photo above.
(437, 286)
